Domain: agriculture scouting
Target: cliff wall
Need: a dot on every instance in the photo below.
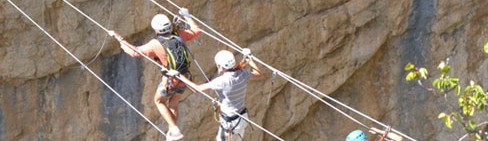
(353, 50)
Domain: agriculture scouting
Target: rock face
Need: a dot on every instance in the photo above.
(353, 50)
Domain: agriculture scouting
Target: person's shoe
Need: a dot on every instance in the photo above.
(168, 137)
(174, 134)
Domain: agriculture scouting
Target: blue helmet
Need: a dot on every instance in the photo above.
(357, 135)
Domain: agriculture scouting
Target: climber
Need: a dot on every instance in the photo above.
(169, 49)
(231, 86)
(358, 135)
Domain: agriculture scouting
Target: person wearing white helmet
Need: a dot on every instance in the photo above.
(168, 48)
(231, 85)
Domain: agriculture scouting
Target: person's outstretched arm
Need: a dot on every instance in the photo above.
(193, 31)
(193, 85)
(255, 71)
(130, 49)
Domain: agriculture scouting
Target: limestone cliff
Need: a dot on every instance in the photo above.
(353, 50)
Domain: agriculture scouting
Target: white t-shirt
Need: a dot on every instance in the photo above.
(231, 89)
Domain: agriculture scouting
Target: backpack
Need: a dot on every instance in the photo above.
(176, 53)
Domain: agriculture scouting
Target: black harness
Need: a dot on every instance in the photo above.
(234, 117)
(230, 119)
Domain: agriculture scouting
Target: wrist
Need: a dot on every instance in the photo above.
(387, 131)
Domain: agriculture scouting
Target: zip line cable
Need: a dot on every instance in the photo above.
(87, 68)
(298, 83)
(163, 68)
(330, 105)
(238, 48)
(327, 103)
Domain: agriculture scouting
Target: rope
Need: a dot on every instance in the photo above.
(273, 77)
(298, 84)
(162, 67)
(105, 38)
(103, 43)
(327, 103)
(87, 68)
(106, 30)
(238, 48)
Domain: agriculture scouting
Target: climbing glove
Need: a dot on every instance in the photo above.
(184, 12)
(171, 73)
(246, 52)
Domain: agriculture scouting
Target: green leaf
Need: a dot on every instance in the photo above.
(471, 111)
(481, 107)
(442, 85)
(409, 67)
(455, 80)
(471, 125)
(486, 47)
(423, 73)
(461, 102)
(411, 76)
(436, 83)
(442, 115)
(448, 122)
(446, 69)
(458, 90)
(478, 137)
(478, 89)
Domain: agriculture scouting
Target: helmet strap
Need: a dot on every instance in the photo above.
(220, 69)
(167, 34)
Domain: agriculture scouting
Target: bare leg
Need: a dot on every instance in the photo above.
(173, 105)
(160, 101)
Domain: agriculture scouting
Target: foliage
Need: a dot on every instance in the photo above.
(485, 48)
(472, 99)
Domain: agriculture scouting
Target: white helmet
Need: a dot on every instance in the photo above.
(225, 59)
(161, 24)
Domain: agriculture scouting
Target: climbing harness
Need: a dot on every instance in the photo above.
(173, 84)
(216, 111)
(176, 53)
(87, 68)
(227, 124)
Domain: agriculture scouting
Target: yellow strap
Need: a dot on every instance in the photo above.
(170, 58)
